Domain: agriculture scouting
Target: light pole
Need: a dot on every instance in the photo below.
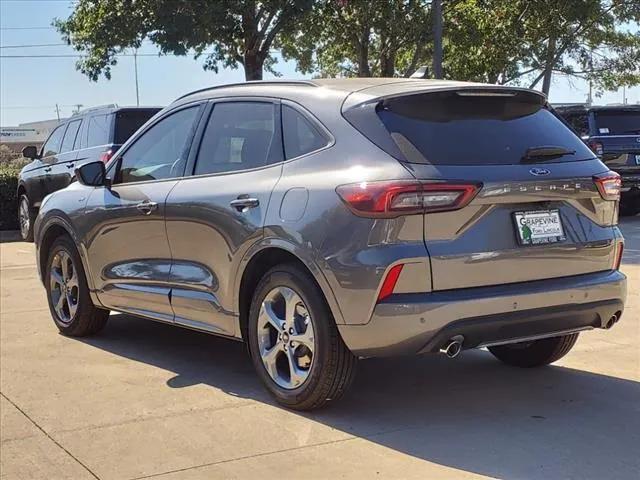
(135, 66)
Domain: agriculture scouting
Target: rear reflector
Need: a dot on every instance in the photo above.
(394, 198)
(618, 257)
(390, 282)
(609, 185)
(106, 156)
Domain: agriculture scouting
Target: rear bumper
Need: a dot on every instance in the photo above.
(421, 323)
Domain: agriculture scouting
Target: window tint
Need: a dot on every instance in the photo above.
(128, 121)
(300, 135)
(161, 151)
(238, 136)
(52, 146)
(70, 136)
(617, 122)
(99, 126)
(450, 129)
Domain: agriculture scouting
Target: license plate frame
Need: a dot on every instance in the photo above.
(545, 227)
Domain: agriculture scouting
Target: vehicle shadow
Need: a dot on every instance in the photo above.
(471, 413)
(630, 227)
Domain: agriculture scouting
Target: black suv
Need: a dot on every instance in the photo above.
(613, 133)
(90, 135)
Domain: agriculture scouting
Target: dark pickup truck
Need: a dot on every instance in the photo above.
(613, 133)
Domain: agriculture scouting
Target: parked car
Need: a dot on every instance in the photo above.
(328, 220)
(90, 135)
(613, 133)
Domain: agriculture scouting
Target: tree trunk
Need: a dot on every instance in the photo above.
(437, 38)
(253, 66)
(549, 64)
(363, 52)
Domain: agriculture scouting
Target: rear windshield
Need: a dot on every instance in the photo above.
(452, 128)
(128, 121)
(617, 122)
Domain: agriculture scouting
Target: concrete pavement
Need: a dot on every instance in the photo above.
(144, 399)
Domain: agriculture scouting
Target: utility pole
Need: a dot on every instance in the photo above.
(58, 111)
(135, 65)
(78, 107)
(624, 95)
(437, 38)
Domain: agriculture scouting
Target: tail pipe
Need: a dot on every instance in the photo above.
(453, 346)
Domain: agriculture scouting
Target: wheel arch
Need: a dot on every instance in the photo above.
(265, 256)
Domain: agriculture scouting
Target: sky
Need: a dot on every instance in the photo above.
(30, 88)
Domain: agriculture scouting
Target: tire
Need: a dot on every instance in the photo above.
(80, 317)
(26, 217)
(332, 366)
(535, 353)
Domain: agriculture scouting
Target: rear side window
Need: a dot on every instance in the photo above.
(128, 122)
(240, 136)
(617, 122)
(53, 143)
(70, 136)
(300, 135)
(466, 128)
(98, 131)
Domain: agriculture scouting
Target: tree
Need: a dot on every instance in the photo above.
(227, 33)
(360, 38)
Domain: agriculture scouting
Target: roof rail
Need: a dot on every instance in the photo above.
(252, 83)
(99, 107)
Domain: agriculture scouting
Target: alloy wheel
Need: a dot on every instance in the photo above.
(286, 337)
(23, 217)
(64, 286)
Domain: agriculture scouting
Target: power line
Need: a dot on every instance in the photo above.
(35, 45)
(27, 28)
(86, 56)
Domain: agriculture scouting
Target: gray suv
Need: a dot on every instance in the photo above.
(329, 220)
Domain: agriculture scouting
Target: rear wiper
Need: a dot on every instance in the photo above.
(543, 153)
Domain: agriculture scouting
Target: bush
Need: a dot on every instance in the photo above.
(8, 197)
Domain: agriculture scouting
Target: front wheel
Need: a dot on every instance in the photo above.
(71, 307)
(294, 343)
(535, 353)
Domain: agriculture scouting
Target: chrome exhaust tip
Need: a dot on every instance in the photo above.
(453, 346)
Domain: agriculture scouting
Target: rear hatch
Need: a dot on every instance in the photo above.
(534, 211)
(617, 137)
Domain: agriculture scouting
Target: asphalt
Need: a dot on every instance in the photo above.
(144, 399)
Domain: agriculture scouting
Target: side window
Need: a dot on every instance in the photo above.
(161, 151)
(300, 135)
(52, 145)
(99, 126)
(239, 136)
(70, 136)
(81, 138)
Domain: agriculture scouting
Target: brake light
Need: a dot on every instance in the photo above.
(394, 198)
(597, 148)
(106, 156)
(390, 282)
(609, 185)
(618, 257)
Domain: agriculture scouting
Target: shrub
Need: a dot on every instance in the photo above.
(8, 197)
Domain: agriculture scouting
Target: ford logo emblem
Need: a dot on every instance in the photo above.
(539, 171)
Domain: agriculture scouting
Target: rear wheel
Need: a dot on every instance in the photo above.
(535, 353)
(294, 343)
(26, 217)
(68, 294)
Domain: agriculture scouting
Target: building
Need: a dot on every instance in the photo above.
(32, 133)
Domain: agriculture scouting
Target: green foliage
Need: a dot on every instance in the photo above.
(228, 33)
(8, 197)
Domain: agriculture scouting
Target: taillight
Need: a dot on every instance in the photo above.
(389, 282)
(597, 148)
(106, 156)
(394, 198)
(609, 185)
(618, 257)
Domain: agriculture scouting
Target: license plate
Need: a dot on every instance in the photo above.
(638, 159)
(538, 227)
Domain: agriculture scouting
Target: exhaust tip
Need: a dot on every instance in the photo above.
(452, 347)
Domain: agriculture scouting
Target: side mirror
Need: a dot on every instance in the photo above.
(92, 174)
(30, 152)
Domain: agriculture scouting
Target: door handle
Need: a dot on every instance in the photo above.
(47, 170)
(147, 207)
(244, 202)
(70, 165)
